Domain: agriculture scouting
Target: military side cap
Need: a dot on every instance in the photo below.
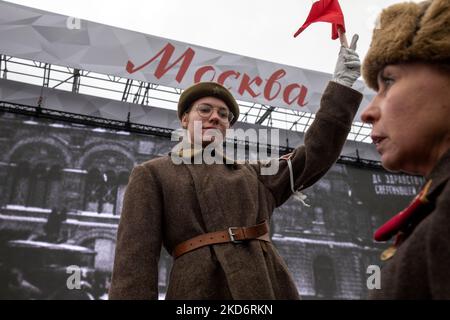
(409, 32)
(207, 89)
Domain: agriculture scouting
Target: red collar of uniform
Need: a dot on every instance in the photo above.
(404, 218)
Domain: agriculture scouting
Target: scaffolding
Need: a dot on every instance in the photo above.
(151, 95)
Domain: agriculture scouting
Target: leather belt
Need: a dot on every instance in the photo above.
(232, 234)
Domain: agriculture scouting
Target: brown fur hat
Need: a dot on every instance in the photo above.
(409, 32)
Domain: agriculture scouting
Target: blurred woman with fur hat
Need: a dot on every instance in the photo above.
(214, 218)
(408, 64)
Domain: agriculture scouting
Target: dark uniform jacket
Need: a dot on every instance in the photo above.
(420, 268)
(166, 204)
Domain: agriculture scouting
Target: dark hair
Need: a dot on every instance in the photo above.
(189, 108)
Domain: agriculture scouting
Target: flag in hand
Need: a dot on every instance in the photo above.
(325, 11)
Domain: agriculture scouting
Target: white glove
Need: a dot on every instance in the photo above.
(348, 66)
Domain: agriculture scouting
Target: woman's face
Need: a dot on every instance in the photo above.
(207, 127)
(410, 116)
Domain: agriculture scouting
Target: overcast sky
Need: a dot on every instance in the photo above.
(261, 29)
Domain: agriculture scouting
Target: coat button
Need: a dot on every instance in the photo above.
(388, 253)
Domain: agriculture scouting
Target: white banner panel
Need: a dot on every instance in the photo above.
(60, 40)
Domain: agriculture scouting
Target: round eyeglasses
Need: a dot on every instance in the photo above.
(205, 110)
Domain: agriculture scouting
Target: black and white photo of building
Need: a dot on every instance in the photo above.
(47, 167)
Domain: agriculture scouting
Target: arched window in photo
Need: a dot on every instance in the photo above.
(54, 186)
(94, 191)
(38, 186)
(324, 277)
(36, 179)
(106, 181)
(19, 184)
(122, 186)
(108, 202)
(104, 192)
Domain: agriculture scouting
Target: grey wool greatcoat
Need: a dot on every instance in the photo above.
(166, 204)
(420, 268)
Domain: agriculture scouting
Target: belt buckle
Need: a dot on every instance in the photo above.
(230, 232)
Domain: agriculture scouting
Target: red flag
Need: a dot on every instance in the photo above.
(325, 11)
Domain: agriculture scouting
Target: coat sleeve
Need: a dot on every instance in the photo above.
(322, 146)
(135, 273)
(437, 253)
